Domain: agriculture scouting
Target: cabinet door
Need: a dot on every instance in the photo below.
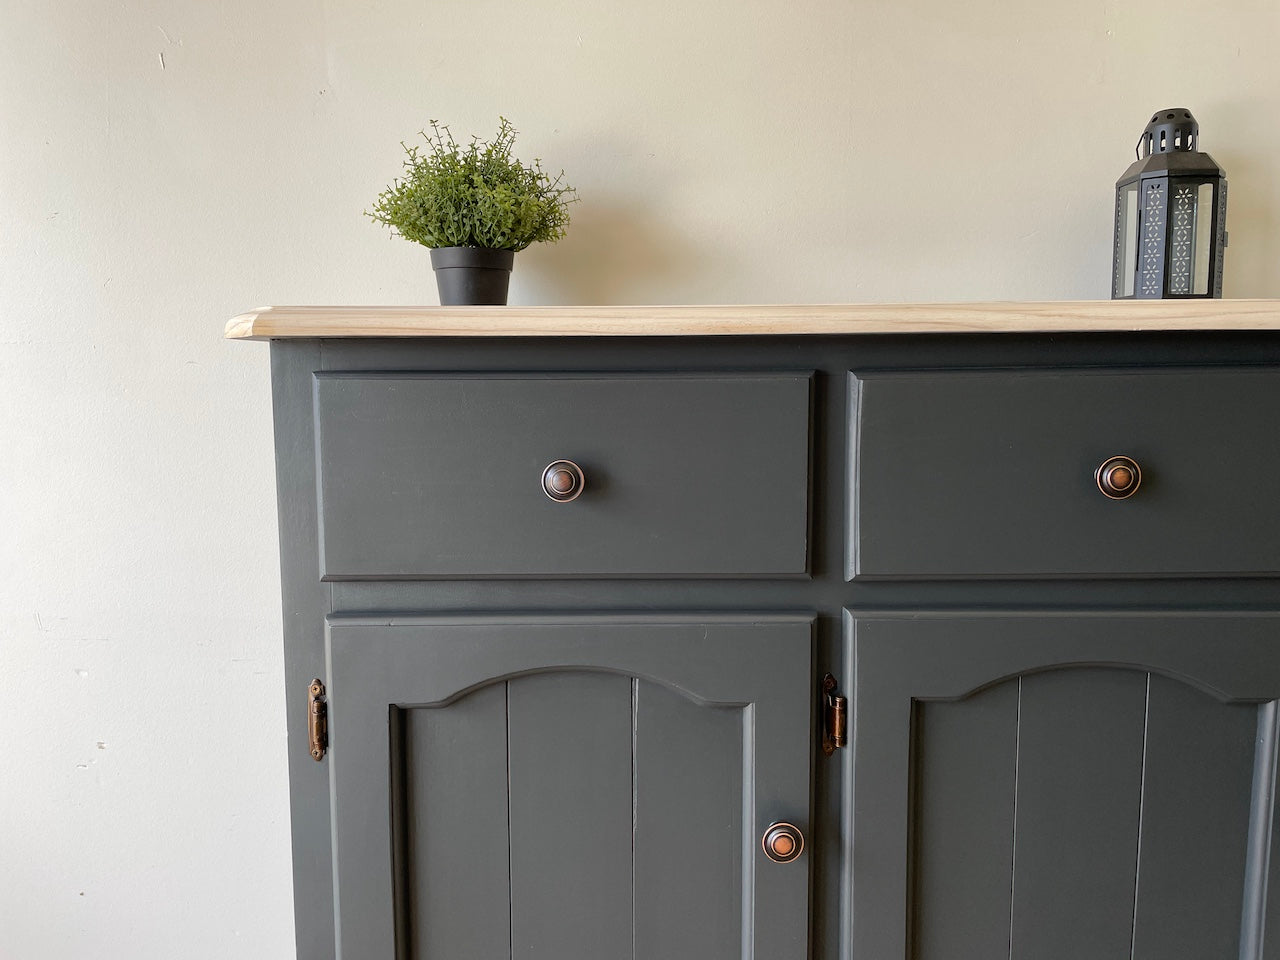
(1051, 787)
(571, 789)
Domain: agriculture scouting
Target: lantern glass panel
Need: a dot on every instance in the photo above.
(1127, 240)
(1204, 239)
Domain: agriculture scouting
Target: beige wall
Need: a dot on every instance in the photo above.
(164, 165)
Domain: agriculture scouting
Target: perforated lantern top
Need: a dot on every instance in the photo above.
(1174, 129)
(1169, 146)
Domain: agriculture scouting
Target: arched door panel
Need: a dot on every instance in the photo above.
(1044, 787)
(591, 787)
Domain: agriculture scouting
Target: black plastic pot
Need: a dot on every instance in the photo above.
(472, 276)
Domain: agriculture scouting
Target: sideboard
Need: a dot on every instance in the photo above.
(941, 632)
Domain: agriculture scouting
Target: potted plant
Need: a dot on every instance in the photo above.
(474, 206)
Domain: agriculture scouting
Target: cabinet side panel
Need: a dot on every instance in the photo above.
(966, 763)
(569, 737)
(305, 602)
(688, 850)
(455, 769)
(1195, 824)
(1080, 753)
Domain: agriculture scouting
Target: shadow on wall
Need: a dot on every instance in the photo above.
(612, 254)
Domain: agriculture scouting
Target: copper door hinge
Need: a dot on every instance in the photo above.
(835, 717)
(317, 720)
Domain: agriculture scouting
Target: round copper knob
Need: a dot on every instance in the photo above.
(782, 842)
(1119, 477)
(563, 481)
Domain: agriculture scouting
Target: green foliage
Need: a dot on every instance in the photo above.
(474, 196)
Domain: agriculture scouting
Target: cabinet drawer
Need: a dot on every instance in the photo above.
(992, 474)
(442, 476)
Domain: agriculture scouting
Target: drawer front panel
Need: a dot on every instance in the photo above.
(993, 474)
(425, 476)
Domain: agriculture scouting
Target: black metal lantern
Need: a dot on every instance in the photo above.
(1171, 215)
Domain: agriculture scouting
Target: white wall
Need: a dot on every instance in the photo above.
(164, 165)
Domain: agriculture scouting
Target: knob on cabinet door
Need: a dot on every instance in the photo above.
(563, 480)
(782, 842)
(1119, 477)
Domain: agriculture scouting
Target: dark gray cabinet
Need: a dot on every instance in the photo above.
(562, 730)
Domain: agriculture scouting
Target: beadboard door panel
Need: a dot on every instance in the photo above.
(1047, 787)
(569, 768)
(450, 796)
(569, 789)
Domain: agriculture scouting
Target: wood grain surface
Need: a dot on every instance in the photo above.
(1085, 316)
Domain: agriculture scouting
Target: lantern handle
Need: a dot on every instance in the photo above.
(1137, 147)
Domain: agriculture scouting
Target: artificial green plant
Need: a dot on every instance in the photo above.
(474, 196)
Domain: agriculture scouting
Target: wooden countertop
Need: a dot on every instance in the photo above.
(1081, 316)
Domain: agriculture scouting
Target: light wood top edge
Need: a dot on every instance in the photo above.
(1084, 316)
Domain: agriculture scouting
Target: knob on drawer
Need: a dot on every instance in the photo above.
(782, 842)
(1119, 477)
(563, 481)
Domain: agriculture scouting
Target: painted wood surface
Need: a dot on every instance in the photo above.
(690, 808)
(966, 765)
(1077, 812)
(565, 725)
(1057, 786)
(268, 323)
(452, 855)
(430, 476)
(305, 602)
(991, 473)
(569, 763)
(1197, 770)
